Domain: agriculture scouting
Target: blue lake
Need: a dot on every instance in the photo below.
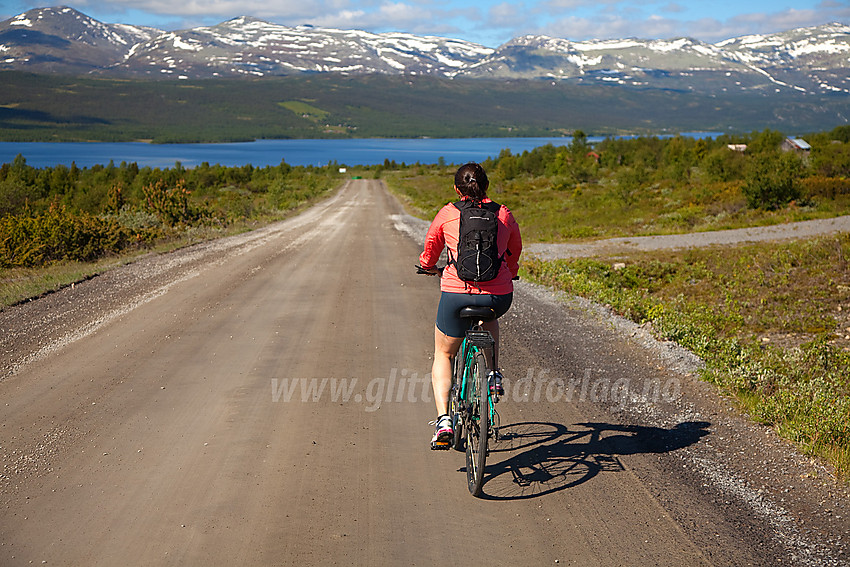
(271, 152)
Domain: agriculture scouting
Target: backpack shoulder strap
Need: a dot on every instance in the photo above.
(492, 206)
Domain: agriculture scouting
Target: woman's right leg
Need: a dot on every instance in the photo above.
(493, 327)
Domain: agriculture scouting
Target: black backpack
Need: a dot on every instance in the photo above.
(478, 257)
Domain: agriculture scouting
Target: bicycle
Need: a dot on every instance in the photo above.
(475, 420)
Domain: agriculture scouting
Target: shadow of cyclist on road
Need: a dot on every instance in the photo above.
(553, 457)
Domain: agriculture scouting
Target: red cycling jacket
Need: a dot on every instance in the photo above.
(443, 233)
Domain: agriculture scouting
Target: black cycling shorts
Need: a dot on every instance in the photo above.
(451, 303)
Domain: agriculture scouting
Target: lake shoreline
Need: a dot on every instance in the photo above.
(296, 152)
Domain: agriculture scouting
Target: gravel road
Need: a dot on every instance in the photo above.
(263, 399)
(613, 246)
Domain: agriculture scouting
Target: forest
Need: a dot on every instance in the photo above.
(42, 108)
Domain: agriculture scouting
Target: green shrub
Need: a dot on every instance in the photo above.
(34, 240)
(170, 204)
(722, 165)
(773, 180)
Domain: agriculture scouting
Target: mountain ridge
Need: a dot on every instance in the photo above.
(813, 60)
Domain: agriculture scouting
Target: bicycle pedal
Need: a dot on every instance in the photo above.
(440, 445)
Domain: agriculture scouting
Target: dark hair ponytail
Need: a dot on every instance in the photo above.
(471, 181)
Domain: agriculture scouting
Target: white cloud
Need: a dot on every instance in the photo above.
(600, 27)
(418, 16)
(224, 9)
(673, 7)
(507, 16)
(555, 5)
(490, 24)
(612, 19)
(755, 23)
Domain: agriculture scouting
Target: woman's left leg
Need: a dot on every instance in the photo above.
(445, 347)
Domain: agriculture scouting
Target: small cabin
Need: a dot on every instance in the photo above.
(798, 145)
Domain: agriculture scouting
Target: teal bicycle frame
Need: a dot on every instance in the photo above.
(471, 346)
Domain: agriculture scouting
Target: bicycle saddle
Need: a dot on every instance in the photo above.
(477, 312)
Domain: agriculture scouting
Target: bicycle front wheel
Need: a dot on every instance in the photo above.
(478, 426)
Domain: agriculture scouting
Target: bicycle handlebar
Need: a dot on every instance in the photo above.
(421, 270)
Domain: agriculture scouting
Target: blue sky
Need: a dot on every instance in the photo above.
(480, 21)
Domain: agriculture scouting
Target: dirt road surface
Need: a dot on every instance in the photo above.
(264, 400)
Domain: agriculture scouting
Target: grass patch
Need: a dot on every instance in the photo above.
(422, 190)
(305, 110)
(20, 284)
(772, 322)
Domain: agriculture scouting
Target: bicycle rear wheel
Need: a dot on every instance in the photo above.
(478, 424)
(457, 423)
(454, 402)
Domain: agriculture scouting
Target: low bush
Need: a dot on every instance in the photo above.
(34, 240)
(822, 186)
(56, 214)
(773, 180)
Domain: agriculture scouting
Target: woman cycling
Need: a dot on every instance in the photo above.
(470, 183)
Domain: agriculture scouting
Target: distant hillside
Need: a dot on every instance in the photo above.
(57, 108)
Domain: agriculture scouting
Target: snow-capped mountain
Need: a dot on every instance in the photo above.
(807, 59)
(536, 56)
(821, 53)
(254, 47)
(64, 40)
